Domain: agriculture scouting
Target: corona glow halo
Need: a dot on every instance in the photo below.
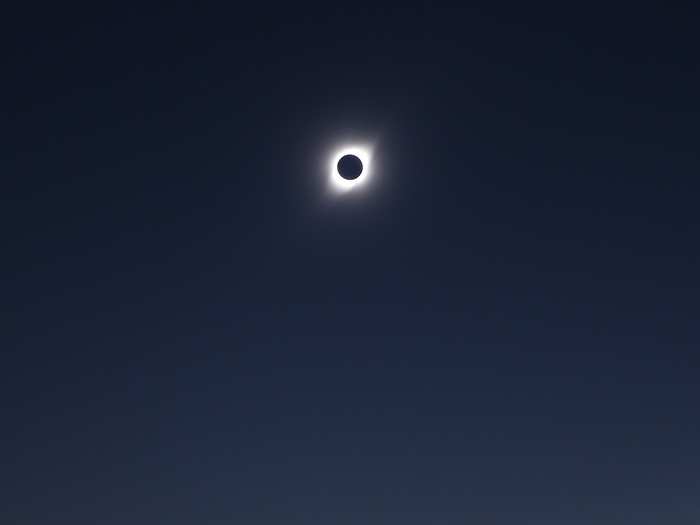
(337, 181)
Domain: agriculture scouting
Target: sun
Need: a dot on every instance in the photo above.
(342, 185)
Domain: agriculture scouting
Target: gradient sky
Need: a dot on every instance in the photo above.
(503, 329)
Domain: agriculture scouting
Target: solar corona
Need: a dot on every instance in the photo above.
(350, 168)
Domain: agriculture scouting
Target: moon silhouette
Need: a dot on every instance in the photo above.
(350, 167)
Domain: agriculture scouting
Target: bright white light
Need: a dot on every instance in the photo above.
(340, 184)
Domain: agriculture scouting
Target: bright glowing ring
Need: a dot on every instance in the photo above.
(363, 153)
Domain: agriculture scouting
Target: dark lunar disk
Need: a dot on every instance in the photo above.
(350, 167)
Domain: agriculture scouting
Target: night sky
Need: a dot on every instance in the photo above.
(502, 328)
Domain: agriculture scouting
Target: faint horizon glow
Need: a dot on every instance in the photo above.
(337, 182)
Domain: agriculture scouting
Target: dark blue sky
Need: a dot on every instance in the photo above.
(503, 330)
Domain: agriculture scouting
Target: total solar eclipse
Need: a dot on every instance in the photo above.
(350, 167)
